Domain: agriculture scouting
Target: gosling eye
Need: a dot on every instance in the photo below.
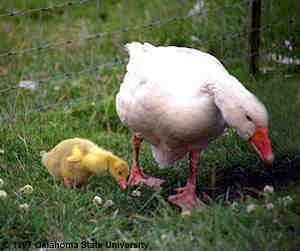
(120, 173)
(248, 117)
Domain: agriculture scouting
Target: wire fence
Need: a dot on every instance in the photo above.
(62, 54)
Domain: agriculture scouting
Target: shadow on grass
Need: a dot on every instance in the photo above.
(234, 183)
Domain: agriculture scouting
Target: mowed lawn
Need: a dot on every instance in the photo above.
(82, 105)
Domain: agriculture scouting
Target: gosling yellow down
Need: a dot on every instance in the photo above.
(75, 160)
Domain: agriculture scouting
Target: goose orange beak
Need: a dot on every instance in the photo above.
(262, 144)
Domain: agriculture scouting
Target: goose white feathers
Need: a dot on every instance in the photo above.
(180, 99)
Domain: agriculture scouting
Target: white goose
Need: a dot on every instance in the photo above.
(179, 100)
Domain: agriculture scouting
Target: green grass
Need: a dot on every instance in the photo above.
(82, 105)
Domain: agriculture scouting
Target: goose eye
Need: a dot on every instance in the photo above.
(248, 117)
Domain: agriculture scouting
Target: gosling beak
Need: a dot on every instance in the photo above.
(262, 144)
(123, 184)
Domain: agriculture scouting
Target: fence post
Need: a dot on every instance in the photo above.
(254, 36)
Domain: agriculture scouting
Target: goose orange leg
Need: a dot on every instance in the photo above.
(136, 174)
(186, 196)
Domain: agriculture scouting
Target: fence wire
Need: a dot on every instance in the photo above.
(15, 100)
(16, 13)
(114, 32)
